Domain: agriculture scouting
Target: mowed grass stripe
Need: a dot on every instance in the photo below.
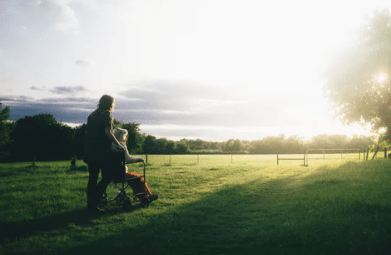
(224, 208)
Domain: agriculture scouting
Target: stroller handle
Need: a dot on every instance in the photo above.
(143, 169)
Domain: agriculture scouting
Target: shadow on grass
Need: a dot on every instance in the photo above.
(13, 230)
(10, 231)
(255, 218)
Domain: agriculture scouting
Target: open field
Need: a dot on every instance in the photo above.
(210, 205)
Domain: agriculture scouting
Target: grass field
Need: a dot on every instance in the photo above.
(210, 205)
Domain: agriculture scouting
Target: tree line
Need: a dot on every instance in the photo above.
(44, 138)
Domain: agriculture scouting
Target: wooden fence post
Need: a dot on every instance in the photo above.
(304, 159)
(374, 155)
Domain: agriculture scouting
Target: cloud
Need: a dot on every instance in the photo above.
(68, 90)
(165, 95)
(66, 19)
(183, 103)
(37, 88)
(16, 98)
(82, 63)
(68, 109)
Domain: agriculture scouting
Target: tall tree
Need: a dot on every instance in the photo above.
(360, 142)
(233, 145)
(182, 148)
(135, 139)
(358, 79)
(79, 140)
(149, 145)
(293, 144)
(41, 136)
(170, 147)
(4, 126)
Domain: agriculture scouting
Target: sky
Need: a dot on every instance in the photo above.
(208, 69)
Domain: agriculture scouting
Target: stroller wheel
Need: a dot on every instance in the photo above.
(121, 198)
(127, 205)
(144, 202)
(103, 202)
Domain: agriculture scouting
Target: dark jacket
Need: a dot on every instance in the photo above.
(98, 144)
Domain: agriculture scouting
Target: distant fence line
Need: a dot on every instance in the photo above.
(279, 157)
(333, 152)
(195, 155)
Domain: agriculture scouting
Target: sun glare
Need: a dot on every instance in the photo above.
(381, 77)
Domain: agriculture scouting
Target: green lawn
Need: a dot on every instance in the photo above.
(210, 205)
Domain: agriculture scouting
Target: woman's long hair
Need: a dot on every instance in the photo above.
(105, 102)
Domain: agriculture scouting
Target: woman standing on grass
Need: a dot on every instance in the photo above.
(97, 150)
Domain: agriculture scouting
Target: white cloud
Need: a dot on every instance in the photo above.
(82, 63)
(16, 98)
(68, 90)
(66, 19)
(37, 88)
(72, 125)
